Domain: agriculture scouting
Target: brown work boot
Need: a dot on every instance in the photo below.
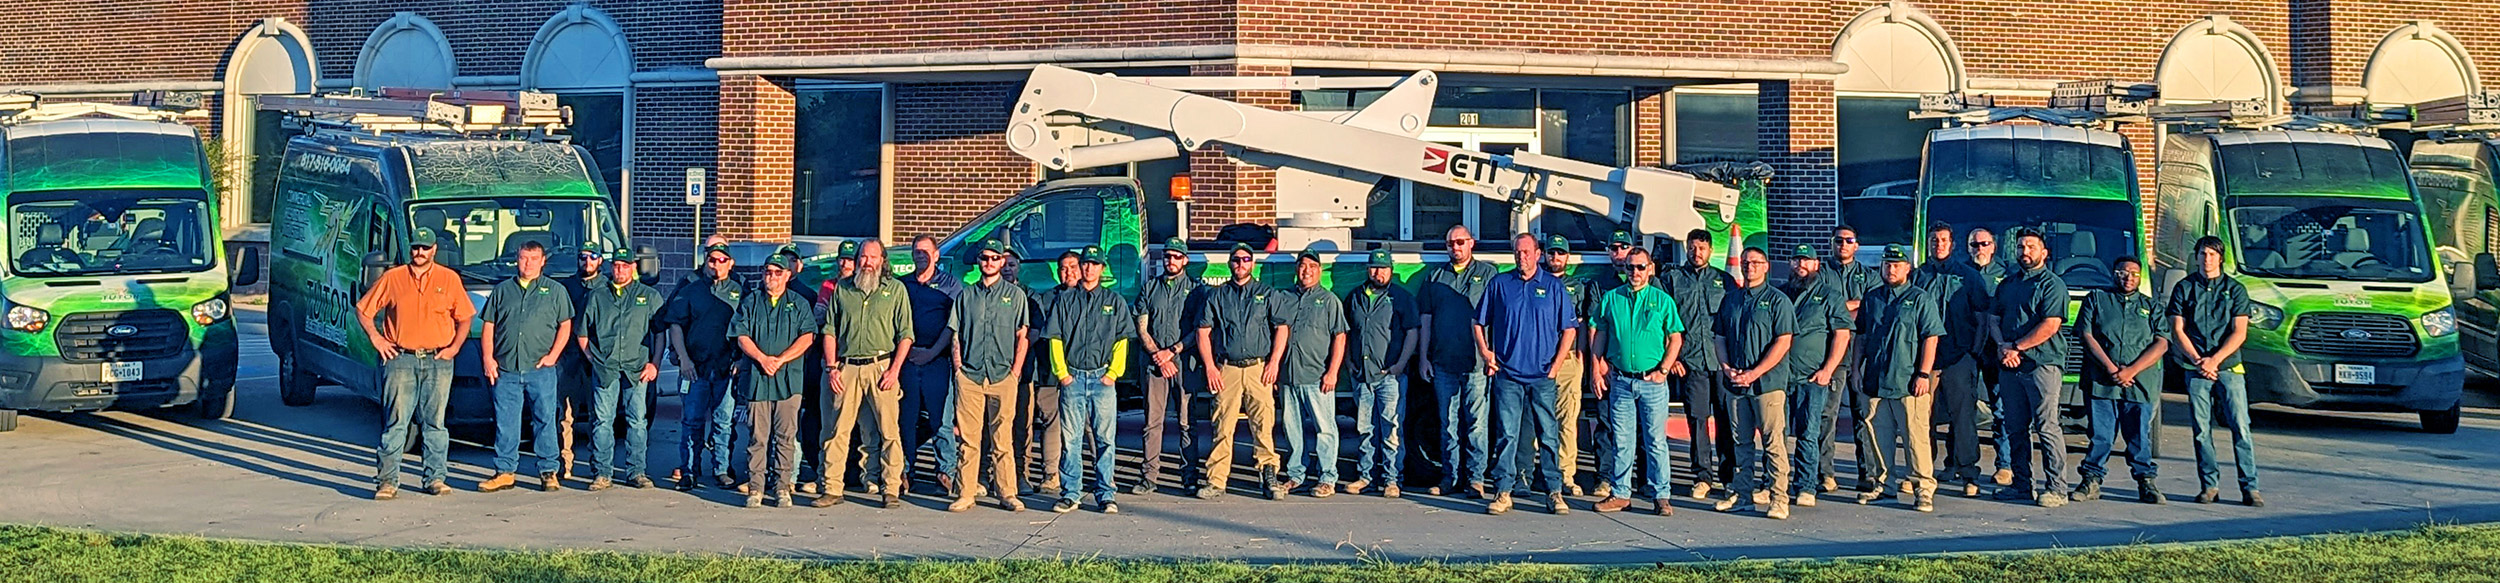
(386, 493)
(826, 500)
(1499, 505)
(1390, 491)
(547, 482)
(1701, 490)
(1555, 503)
(498, 483)
(437, 488)
(2004, 477)
(1355, 488)
(600, 484)
(1613, 504)
(1665, 508)
(1779, 511)
(960, 504)
(893, 501)
(1011, 503)
(1323, 490)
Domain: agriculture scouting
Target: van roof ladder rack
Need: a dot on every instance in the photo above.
(2099, 104)
(429, 111)
(165, 106)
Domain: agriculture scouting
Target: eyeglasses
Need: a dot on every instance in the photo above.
(1175, 257)
(1458, 242)
(1242, 259)
(1983, 243)
(988, 258)
(1845, 239)
(716, 260)
(1637, 267)
(1620, 246)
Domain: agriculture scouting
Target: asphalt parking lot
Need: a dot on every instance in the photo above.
(302, 474)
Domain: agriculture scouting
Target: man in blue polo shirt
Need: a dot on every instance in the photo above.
(1523, 327)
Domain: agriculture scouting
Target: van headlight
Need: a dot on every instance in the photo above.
(209, 312)
(2440, 323)
(27, 319)
(2264, 316)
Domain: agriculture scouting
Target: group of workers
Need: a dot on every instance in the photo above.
(991, 375)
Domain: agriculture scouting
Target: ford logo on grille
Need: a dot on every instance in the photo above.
(122, 331)
(2356, 334)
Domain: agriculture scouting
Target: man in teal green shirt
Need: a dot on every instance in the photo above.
(1636, 327)
(2122, 331)
(1815, 363)
(1901, 326)
(527, 321)
(1089, 330)
(774, 328)
(618, 340)
(1307, 383)
(2209, 314)
(991, 323)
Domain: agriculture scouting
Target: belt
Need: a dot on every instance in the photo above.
(1245, 362)
(423, 351)
(866, 360)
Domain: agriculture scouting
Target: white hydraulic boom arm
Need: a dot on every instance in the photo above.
(1328, 162)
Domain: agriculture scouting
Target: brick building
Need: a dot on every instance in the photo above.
(845, 118)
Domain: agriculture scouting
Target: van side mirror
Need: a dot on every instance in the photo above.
(375, 262)
(2486, 272)
(649, 265)
(247, 267)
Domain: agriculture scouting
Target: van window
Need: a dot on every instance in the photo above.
(482, 238)
(1058, 224)
(96, 232)
(2265, 168)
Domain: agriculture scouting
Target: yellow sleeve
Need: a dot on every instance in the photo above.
(1119, 358)
(1058, 359)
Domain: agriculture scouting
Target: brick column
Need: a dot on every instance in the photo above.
(1797, 135)
(1649, 126)
(1225, 192)
(757, 117)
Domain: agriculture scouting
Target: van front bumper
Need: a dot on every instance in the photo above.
(2402, 385)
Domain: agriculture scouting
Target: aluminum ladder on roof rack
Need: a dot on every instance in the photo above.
(425, 110)
(2099, 104)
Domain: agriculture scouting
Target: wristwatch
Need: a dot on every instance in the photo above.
(1928, 375)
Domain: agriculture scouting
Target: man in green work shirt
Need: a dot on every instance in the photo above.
(2124, 334)
(1447, 298)
(1985, 258)
(1381, 339)
(774, 328)
(1042, 418)
(527, 320)
(575, 386)
(1636, 327)
(866, 318)
(1700, 289)
(1307, 383)
(1854, 280)
(1089, 330)
(618, 340)
(1618, 250)
(1241, 342)
(1757, 329)
(1902, 325)
(2030, 311)
(1165, 303)
(1814, 359)
(1571, 370)
(1953, 284)
(991, 322)
(2209, 316)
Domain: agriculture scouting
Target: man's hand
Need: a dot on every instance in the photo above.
(2008, 356)
(892, 380)
(1399, 370)
(1655, 376)
(492, 372)
(549, 361)
(923, 355)
(1268, 374)
(650, 372)
(1168, 368)
(1428, 376)
(1215, 381)
(1824, 377)
(1110, 381)
(1161, 357)
(1921, 386)
(385, 348)
(1492, 366)
(1675, 368)
(445, 354)
(1598, 389)
(2124, 377)
(1328, 385)
(1067, 381)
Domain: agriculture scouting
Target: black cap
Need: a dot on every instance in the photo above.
(1896, 252)
(1311, 254)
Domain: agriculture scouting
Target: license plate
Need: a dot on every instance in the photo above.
(2356, 374)
(123, 372)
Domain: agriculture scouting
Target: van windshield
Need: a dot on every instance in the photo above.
(2339, 238)
(2084, 236)
(102, 232)
(482, 238)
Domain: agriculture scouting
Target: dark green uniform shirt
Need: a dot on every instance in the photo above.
(703, 307)
(2209, 305)
(1951, 283)
(525, 319)
(618, 322)
(868, 323)
(1165, 304)
(1822, 306)
(1751, 320)
(985, 321)
(1449, 295)
(1892, 323)
(1854, 280)
(1037, 314)
(2125, 325)
(2023, 302)
(1243, 318)
(1377, 320)
(1317, 318)
(1089, 324)
(1699, 292)
(774, 324)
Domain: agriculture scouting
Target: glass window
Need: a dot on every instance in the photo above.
(2083, 236)
(599, 126)
(78, 232)
(2033, 167)
(268, 153)
(838, 136)
(1056, 225)
(1488, 107)
(1588, 126)
(2312, 168)
(1879, 149)
(481, 238)
(1715, 127)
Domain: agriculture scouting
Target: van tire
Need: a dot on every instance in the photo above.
(8, 420)
(295, 387)
(216, 405)
(2443, 422)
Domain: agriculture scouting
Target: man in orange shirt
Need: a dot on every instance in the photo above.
(428, 319)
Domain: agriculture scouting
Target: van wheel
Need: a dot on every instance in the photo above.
(295, 387)
(216, 405)
(8, 420)
(2443, 422)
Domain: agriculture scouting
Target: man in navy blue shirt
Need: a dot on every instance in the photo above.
(1523, 327)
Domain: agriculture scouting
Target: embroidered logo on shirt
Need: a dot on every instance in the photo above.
(641, 300)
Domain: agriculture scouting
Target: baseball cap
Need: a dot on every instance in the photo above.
(1621, 238)
(721, 248)
(781, 261)
(1092, 255)
(1381, 258)
(1803, 252)
(421, 237)
(1240, 246)
(592, 248)
(1311, 254)
(998, 246)
(1897, 252)
(1176, 245)
(624, 254)
(1557, 243)
(848, 250)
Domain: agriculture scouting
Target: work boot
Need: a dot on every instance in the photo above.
(1555, 503)
(1613, 504)
(1323, 490)
(893, 501)
(1279, 490)
(755, 500)
(2147, 493)
(961, 503)
(2005, 477)
(1064, 506)
(1779, 511)
(1603, 490)
(1210, 492)
(601, 484)
(1267, 477)
(1575, 490)
(1830, 484)
(386, 493)
(2052, 499)
(2010, 494)
(1144, 486)
(1926, 502)
(642, 482)
(1806, 500)
(2090, 489)
(1500, 504)
(437, 488)
(1761, 497)
(1482, 491)
(1664, 506)
(809, 488)
(2208, 496)
(1011, 503)
(1390, 491)
(498, 483)
(725, 481)
(783, 500)
(1970, 489)
(1701, 490)
(2252, 499)
(1865, 498)
(1110, 508)
(1355, 488)
(1734, 502)
(547, 482)
(1442, 488)
(685, 483)
(826, 500)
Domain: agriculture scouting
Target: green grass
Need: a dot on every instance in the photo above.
(2432, 554)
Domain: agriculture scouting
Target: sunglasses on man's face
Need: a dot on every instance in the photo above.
(1175, 257)
(992, 258)
(716, 260)
(1983, 243)
(1241, 259)
(1845, 239)
(1637, 267)
(1620, 246)
(1458, 242)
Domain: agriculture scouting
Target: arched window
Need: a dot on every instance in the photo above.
(273, 58)
(2416, 63)
(1894, 53)
(405, 51)
(2215, 59)
(582, 56)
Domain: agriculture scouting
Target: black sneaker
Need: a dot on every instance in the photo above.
(2252, 499)
(2011, 494)
(1064, 506)
(684, 483)
(2090, 489)
(1267, 477)
(2147, 493)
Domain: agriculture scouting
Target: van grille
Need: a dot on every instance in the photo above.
(2354, 335)
(88, 337)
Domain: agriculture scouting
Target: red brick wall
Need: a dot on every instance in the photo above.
(756, 140)
(2338, 51)
(674, 129)
(848, 27)
(663, 33)
(1796, 133)
(950, 157)
(104, 41)
(2087, 39)
(1688, 28)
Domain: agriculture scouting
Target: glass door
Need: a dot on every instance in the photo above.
(1429, 210)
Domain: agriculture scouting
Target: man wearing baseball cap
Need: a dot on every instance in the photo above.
(1814, 360)
(616, 339)
(1901, 328)
(1164, 303)
(1380, 343)
(774, 329)
(1307, 383)
(697, 320)
(1088, 329)
(428, 314)
(991, 321)
(1241, 339)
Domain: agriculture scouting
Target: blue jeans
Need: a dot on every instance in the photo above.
(414, 388)
(1813, 430)
(1528, 405)
(1463, 431)
(2114, 418)
(1086, 405)
(1379, 430)
(603, 410)
(1306, 404)
(2232, 390)
(538, 387)
(929, 412)
(706, 420)
(2004, 438)
(1636, 419)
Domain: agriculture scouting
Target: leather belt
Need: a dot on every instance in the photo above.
(865, 360)
(1245, 362)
